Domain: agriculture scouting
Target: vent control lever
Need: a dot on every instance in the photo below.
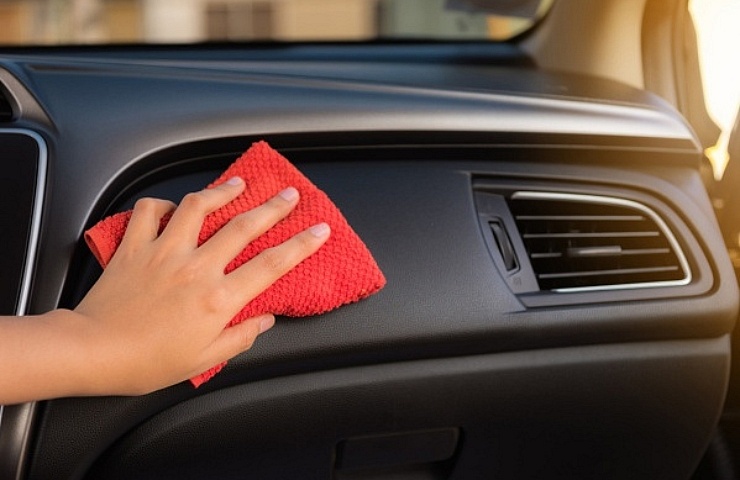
(504, 245)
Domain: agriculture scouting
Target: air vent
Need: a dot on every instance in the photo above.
(587, 242)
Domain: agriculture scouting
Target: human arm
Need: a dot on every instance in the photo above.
(157, 314)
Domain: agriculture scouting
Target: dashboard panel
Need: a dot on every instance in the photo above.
(468, 363)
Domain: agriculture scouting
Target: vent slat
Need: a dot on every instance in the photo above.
(578, 218)
(625, 271)
(546, 255)
(575, 235)
(647, 251)
(587, 242)
(642, 251)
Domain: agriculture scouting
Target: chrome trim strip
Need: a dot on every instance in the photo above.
(23, 414)
(603, 200)
(38, 201)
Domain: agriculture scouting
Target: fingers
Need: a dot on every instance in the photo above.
(255, 276)
(244, 228)
(144, 223)
(186, 222)
(238, 338)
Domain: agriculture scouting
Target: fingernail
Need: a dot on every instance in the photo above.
(320, 230)
(266, 323)
(289, 194)
(234, 181)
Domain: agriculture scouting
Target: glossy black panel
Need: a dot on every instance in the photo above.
(19, 163)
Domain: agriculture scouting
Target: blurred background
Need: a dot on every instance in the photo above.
(718, 36)
(175, 21)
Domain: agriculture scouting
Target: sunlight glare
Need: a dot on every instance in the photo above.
(718, 37)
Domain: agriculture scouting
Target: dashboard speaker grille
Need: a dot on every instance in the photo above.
(588, 242)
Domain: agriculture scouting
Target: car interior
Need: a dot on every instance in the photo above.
(561, 293)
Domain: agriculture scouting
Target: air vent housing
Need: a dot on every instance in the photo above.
(588, 242)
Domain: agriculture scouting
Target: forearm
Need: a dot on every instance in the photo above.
(157, 315)
(42, 357)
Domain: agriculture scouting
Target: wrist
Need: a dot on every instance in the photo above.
(72, 337)
(42, 358)
(86, 357)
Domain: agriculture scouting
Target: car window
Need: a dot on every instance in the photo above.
(52, 22)
(718, 37)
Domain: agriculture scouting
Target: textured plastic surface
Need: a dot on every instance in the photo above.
(559, 414)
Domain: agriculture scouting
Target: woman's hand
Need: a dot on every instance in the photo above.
(157, 314)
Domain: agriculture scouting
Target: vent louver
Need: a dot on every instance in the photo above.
(587, 242)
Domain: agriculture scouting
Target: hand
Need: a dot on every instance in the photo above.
(157, 314)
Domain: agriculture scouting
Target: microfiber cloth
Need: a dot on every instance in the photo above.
(342, 271)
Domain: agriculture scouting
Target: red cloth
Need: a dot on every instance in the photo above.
(342, 271)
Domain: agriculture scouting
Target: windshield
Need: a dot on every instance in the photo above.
(65, 22)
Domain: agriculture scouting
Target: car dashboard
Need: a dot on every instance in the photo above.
(559, 299)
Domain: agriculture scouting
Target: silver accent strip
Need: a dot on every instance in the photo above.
(38, 201)
(603, 200)
(24, 413)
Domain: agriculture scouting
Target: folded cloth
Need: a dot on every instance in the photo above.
(342, 271)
